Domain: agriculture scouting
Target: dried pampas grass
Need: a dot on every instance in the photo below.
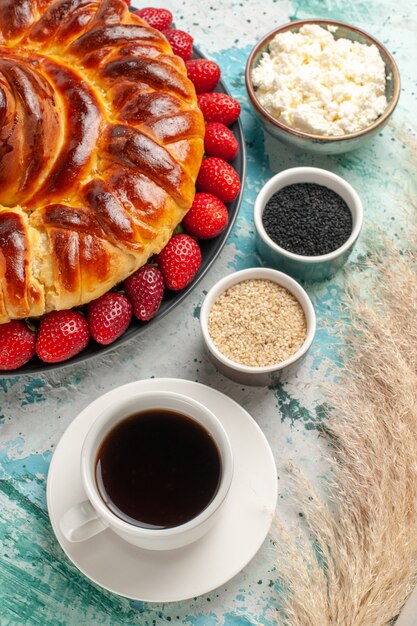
(355, 561)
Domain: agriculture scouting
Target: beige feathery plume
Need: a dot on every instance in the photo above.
(355, 562)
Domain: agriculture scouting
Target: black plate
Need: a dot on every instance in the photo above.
(210, 249)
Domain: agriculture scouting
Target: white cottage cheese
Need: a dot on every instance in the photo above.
(317, 84)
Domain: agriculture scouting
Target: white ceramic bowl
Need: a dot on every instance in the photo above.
(306, 267)
(244, 374)
(317, 143)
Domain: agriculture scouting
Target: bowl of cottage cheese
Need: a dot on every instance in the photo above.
(322, 86)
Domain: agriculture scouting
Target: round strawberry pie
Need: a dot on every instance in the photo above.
(101, 142)
(101, 138)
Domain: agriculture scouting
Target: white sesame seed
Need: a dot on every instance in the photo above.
(257, 323)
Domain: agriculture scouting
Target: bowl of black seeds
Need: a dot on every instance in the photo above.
(307, 221)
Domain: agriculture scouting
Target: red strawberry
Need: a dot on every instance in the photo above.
(181, 43)
(219, 178)
(17, 344)
(219, 141)
(145, 289)
(61, 335)
(219, 107)
(207, 218)
(160, 19)
(204, 74)
(179, 261)
(109, 316)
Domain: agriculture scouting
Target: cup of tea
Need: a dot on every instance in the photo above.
(156, 468)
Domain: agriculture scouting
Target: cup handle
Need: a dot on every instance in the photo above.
(81, 522)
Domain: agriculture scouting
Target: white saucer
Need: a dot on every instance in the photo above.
(153, 576)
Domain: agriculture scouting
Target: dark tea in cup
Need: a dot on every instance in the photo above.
(158, 469)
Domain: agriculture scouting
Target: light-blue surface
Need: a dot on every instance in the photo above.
(38, 585)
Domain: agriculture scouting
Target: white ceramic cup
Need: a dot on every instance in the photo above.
(93, 516)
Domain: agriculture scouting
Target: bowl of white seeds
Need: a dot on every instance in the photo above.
(258, 325)
(321, 85)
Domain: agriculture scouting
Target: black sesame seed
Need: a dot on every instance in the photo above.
(307, 219)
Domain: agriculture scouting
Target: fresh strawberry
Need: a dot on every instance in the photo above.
(203, 74)
(160, 19)
(179, 261)
(219, 178)
(181, 43)
(219, 141)
(108, 317)
(145, 289)
(17, 344)
(207, 218)
(61, 335)
(219, 107)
